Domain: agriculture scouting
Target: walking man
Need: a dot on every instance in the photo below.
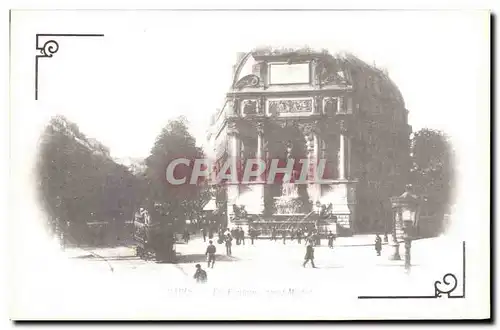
(299, 236)
(309, 255)
(242, 236)
(252, 234)
(330, 240)
(273, 234)
(228, 244)
(204, 234)
(200, 275)
(283, 234)
(210, 253)
(378, 244)
(185, 236)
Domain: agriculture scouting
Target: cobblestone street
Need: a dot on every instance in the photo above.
(112, 282)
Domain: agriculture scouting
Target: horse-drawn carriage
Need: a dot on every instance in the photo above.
(154, 239)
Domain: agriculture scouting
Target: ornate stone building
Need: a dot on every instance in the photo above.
(308, 104)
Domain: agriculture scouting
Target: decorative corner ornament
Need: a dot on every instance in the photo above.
(444, 287)
(49, 48)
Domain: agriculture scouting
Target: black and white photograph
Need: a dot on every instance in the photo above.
(249, 165)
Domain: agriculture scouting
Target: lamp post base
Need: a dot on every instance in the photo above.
(395, 255)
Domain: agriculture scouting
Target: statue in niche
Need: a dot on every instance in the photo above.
(239, 212)
(250, 107)
(331, 73)
(326, 211)
(289, 189)
(332, 105)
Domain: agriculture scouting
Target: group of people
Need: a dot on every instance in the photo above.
(312, 236)
(312, 239)
(201, 275)
(207, 232)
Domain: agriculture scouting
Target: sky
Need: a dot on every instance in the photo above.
(154, 66)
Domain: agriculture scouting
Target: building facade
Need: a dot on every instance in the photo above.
(306, 104)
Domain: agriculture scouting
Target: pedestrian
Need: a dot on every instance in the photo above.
(334, 232)
(273, 234)
(204, 234)
(210, 253)
(283, 234)
(242, 236)
(309, 255)
(378, 244)
(252, 234)
(330, 240)
(185, 235)
(317, 237)
(235, 232)
(299, 236)
(210, 233)
(228, 244)
(200, 275)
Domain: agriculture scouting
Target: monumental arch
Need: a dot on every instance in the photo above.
(303, 103)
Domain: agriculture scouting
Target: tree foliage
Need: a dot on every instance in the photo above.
(432, 169)
(78, 182)
(178, 202)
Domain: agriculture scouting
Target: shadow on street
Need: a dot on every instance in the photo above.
(191, 258)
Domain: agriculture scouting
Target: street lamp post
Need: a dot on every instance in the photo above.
(318, 211)
(395, 245)
(407, 254)
(405, 216)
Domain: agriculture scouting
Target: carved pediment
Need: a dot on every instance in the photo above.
(331, 73)
(250, 80)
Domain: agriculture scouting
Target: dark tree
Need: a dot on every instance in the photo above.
(179, 202)
(78, 181)
(432, 169)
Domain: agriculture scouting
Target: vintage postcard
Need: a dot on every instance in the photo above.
(249, 165)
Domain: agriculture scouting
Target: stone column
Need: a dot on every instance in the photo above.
(341, 189)
(316, 156)
(313, 144)
(348, 159)
(232, 187)
(235, 155)
(341, 163)
(260, 144)
(343, 152)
